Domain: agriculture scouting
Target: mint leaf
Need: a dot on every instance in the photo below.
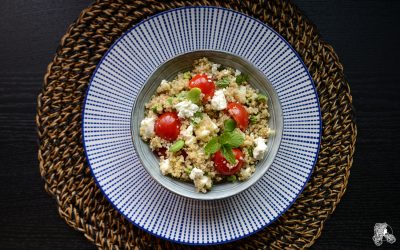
(178, 145)
(227, 152)
(229, 125)
(223, 83)
(242, 78)
(194, 95)
(212, 146)
(233, 139)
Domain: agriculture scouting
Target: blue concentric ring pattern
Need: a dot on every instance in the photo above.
(107, 115)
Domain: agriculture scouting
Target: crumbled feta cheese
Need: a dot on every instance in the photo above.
(214, 68)
(147, 127)
(196, 173)
(260, 149)
(164, 166)
(218, 102)
(187, 135)
(186, 109)
(237, 72)
(245, 173)
(201, 182)
(164, 86)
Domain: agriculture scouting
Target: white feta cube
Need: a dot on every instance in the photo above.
(196, 173)
(260, 149)
(164, 166)
(201, 182)
(147, 127)
(186, 109)
(218, 102)
(245, 173)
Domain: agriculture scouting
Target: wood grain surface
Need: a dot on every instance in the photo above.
(365, 35)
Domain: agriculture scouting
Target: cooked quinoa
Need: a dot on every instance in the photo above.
(207, 127)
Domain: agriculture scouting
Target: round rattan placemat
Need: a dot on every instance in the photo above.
(63, 165)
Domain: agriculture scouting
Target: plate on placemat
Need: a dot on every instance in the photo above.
(110, 150)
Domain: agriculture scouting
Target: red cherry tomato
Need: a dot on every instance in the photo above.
(204, 83)
(167, 126)
(221, 164)
(239, 114)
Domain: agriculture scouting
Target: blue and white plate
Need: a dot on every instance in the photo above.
(107, 130)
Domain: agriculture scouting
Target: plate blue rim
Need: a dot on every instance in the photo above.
(83, 119)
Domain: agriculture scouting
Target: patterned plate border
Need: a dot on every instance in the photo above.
(109, 148)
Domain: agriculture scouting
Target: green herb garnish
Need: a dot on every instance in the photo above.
(233, 139)
(194, 95)
(170, 100)
(231, 178)
(212, 146)
(229, 125)
(178, 145)
(242, 78)
(227, 152)
(225, 143)
(262, 98)
(223, 83)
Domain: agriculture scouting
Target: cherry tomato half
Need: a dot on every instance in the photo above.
(167, 126)
(239, 114)
(221, 164)
(204, 83)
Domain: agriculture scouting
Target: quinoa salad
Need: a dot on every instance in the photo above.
(207, 125)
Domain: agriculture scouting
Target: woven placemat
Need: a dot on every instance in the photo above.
(63, 165)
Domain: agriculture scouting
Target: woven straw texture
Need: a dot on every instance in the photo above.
(63, 165)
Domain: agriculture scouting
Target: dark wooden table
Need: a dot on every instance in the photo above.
(365, 35)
